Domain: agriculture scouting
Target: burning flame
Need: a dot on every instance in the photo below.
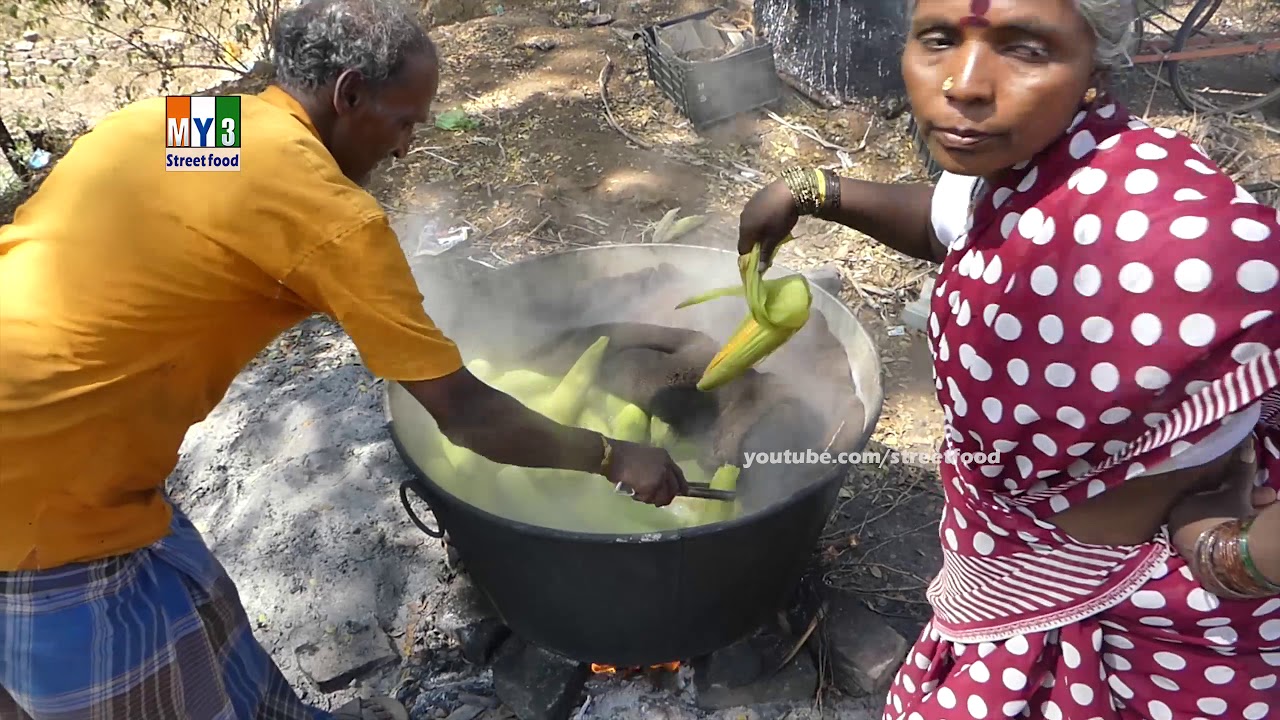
(614, 670)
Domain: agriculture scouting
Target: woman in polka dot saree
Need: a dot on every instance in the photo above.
(1105, 320)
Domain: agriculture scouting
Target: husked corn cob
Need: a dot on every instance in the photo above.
(725, 478)
(525, 384)
(570, 396)
(591, 420)
(482, 369)
(660, 433)
(631, 425)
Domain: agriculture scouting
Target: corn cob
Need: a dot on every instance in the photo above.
(660, 433)
(591, 420)
(725, 478)
(777, 309)
(525, 384)
(631, 425)
(482, 369)
(570, 396)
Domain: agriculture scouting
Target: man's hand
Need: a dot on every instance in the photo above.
(648, 471)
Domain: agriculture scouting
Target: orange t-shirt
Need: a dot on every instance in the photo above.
(130, 297)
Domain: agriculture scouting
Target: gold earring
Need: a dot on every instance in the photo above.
(1090, 95)
(948, 84)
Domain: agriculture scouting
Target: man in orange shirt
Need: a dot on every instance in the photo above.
(130, 297)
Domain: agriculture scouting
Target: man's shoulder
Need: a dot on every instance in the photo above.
(279, 150)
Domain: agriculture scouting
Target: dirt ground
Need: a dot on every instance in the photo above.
(293, 477)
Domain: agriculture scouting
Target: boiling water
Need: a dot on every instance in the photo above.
(529, 304)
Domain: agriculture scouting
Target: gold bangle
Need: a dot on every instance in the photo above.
(804, 191)
(821, 181)
(607, 460)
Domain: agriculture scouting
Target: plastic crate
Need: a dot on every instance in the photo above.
(711, 91)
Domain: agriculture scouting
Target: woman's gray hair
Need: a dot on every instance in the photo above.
(1112, 23)
(317, 41)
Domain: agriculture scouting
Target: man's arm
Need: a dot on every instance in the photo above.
(491, 423)
(363, 281)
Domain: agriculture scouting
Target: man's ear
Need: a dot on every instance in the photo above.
(348, 92)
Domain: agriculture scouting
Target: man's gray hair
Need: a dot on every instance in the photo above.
(317, 41)
(1112, 23)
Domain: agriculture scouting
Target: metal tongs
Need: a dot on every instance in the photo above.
(696, 490)
(704, 491)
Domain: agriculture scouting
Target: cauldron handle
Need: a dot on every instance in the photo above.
(414, 485)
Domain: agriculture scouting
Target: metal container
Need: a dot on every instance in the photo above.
(711, 91)
(624, 600)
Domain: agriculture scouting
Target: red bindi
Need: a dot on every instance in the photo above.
(977, 14)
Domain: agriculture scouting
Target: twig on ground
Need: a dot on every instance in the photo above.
(804, 638)
(810, 133)
(605, 74)
(425, 151)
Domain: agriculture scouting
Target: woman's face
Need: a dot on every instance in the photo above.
(993, 82)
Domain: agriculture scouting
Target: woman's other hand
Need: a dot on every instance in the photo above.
(1237, 497)
(767, 219)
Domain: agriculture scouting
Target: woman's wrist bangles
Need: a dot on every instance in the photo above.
(815, 192)
(1224, 565)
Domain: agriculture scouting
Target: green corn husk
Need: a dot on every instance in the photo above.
(777, 310)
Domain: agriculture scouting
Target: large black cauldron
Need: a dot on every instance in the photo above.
(624, 600)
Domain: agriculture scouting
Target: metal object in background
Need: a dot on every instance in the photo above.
(837, 49)
(1203, 48)
(711, 73)
(630, 600)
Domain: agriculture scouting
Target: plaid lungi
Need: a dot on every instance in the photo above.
(158, 634)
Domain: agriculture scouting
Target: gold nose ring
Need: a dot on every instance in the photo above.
(948, 84)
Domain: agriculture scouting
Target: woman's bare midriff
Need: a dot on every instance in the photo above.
(1132, 513)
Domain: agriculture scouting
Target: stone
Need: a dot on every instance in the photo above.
(537, 684)
(916, 313)
(599, 20)
(469, 620)
(748, 673)
(466, 712)
(864, 651)
(23, 46)
(31, 36)
(344, 653)
(826, 277)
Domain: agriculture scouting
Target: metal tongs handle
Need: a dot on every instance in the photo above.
(705, 492)
(696, 490)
